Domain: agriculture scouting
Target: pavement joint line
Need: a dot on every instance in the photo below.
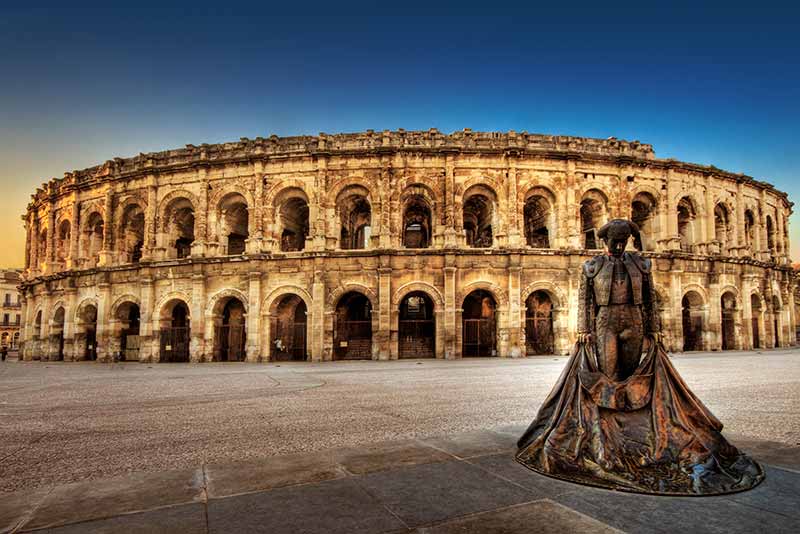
(31, 512)
(759, 508)
(205, 497)
(441, 450)
(383, 504)
(588, 517)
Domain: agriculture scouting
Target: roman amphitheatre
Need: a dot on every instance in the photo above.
(389, 245)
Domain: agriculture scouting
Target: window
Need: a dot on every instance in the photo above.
(18, 319)
(5, 319)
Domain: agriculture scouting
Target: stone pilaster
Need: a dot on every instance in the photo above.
(254, 317)
(148, 331)
(199, 347)
(106, 254)
(317, 319)
(382, 339)
(451, 349)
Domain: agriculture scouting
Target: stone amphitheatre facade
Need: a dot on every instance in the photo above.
(384, 245)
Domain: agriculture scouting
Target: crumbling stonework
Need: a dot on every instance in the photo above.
(390, 244)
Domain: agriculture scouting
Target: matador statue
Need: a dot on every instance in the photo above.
(621, 419)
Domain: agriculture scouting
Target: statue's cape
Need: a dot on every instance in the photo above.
(648, 433)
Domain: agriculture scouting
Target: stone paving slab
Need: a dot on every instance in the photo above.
(97, 499)
(331, 507)
(457, 483)
(543, 517)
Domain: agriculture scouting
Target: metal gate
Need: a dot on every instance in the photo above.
(479, 337)
(728, 331)
(539, 338)
(417, 338)
(229, 343)
(353, 340)
(90, 349)
(294, 346)
(130, 347)
(756, 337)
(174, 344)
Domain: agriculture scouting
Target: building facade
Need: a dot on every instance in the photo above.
(10, 309)
(383, 245)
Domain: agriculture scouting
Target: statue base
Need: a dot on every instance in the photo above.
(646, 434)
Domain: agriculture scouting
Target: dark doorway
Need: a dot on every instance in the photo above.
(57, 335)
(692, 319)
(728, 303)
(479, 324)
(230, 337)
(88, 318)
(755, 306)
(352, 329)
(417, 327)
(288, 330)
(175, 334)
(129, 333)
(539, 338)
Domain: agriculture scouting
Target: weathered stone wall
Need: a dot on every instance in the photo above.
(157, 229)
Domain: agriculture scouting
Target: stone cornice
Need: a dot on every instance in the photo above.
(611, 150)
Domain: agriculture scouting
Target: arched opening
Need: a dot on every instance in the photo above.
(180, 228)
(57, 334)
(128, 317)
(537, 215)
(479, 324)
(352, 328)
(416, 327)
(728, 306)
(37, 325)
(229, 331)
(477, 216)
(289, 323)
(686, 221)
(293, 215)
(93, 239)
(42, 253)
(233, 228)
(776, 327)
(86, 337)
(355, 216)
(749, 230)
(416, 223)
(755, 307)
(722, 226)
(593, 214)
(770, 234)
(643, 214)
(692, 318)
(174, 332)
(539, 336)
(132, 234)
(62, 240)
(15, 342)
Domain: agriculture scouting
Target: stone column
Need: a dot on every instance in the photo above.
(106, 254)
(198, 343)
(44, 335)
(452, 233)
(149, 337)
(253, 316)
(673, 237)
(762, 250)
(512, 201)
(572, 211)
(34, 243)
(780, 242)
(74, 235)
(451, 350)
(714, 329)
(201, 234)
(104, 332)
(676, 297)
(150, 222)
(385, 309)
(258, 215)
(51, 238)
(321, 240)
(28, 242)
(709, 223)
(70, 350)
(747, 314)
(516, 334)
(317, 318)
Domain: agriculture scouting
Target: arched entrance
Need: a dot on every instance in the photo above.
(288, 330)
(174, 332)
(229, 331)
(128, 317)
(479, 324)
(539, 338)
(728, 306)
(417, 327)
(755, 307)
(57, 334)
(776, 327)
(87, 331)
(352, 329)
(692, 317)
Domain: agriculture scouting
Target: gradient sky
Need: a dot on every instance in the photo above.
(82, 84)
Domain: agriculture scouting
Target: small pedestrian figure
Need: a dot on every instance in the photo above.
(4, 353)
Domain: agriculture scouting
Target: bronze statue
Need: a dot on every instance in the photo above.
(616, 419)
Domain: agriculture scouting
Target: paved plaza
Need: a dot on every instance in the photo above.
(67, 422)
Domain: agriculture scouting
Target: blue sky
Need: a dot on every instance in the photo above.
(708, 83)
